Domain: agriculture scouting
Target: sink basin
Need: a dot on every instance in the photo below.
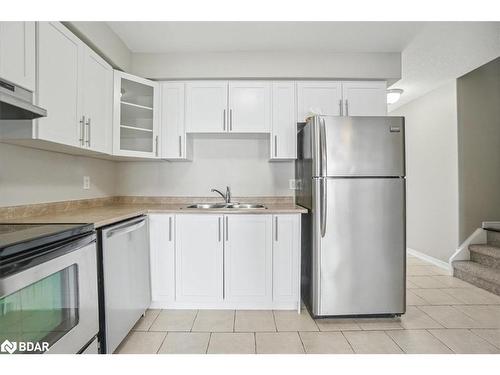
(208, 206)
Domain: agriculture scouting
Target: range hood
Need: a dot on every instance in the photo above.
(16, 103)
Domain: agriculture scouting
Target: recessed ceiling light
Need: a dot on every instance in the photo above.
(393, 95)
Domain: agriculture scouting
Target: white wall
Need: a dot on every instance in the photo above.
(30, 176)
(432, 172)
(218, 161)
(317, 65)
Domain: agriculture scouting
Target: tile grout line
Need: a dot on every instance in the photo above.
(274, 319)
(348, 342)
(234, 321)
(394, 341)
(488, 341)
(162, 342)
(194, 320)
(437, 338)
(255, 342)
(302, 342)
(209, 341)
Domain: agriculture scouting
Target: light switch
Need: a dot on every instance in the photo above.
(86, 182)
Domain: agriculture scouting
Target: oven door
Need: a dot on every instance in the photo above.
(53, 303)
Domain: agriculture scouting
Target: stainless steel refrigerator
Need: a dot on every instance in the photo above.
(351, 178)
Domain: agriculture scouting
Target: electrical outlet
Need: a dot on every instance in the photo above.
(86, 182)
(292, 184)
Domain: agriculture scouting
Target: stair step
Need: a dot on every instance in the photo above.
(487, 255)
(482, 276)
(493, 237)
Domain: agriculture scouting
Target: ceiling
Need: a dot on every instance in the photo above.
(167, 37)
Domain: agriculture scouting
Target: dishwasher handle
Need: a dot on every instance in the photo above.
(126, 228)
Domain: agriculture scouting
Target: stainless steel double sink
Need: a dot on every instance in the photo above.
(212, 206)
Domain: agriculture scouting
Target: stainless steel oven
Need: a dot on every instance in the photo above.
(48, 296)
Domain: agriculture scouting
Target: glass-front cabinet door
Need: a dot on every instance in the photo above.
(136, 109)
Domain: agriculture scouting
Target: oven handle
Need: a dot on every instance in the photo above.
(126, 228)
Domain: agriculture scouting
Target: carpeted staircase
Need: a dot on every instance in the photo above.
(483, 268)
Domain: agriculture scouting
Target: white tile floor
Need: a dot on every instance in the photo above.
(444, 315)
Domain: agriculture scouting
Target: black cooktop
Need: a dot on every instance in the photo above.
(17, 238)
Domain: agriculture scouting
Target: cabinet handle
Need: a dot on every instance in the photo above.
(180, 145)
(227, 229)
(218, 230)
(224, 119)
(231, 120)
(82, 130)
(276, 228)
(156, 146)
(341, 109)
(170, 228)
(275, 146)
(346, 107)
(88, 132)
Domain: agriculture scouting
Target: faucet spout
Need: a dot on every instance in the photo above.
(218, 192)
(226, 197)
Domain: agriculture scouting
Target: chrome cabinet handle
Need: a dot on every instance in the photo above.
(156, 146)
(224, 119)
(82, 130)
(180, 145)
(275, 146)
(218, 230)
(127, 228)
(322, 193)
(346, 107)
(276, 228)
(88, 132)
(231, 120)
(170, 228)
(227, 229)
(341, 110)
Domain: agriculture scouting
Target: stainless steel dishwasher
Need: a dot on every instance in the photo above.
(125, 279)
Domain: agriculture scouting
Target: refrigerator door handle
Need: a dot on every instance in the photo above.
(322, 197)
(322, 146)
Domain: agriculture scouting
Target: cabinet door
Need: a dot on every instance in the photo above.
(172, 120)
(135, 116)
(318, 97)
(248, 258)
(284, 123)
(198, 258)
(249, 107)
(206, 107)
(59, 77)
(17, 53)
(97, 103)
(286, 264)
(368, 98)
(161, 232)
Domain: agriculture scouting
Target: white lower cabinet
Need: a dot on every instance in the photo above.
(245, 261)
(248, 258)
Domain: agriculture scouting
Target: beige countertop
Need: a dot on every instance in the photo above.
(112, 213)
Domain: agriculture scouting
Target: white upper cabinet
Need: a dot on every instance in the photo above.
(249, 107)
(206, 107)
(59, 82)
(172, 121)
(284, 123)
(97, 102)
(318, 97)
(136, 130)
(365, 98)
(162, 245)
(17, 53)
(248, 258)
(198, 258)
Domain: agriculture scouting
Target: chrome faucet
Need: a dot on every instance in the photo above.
(227, 196)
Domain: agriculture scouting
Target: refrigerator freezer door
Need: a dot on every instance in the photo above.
(360, 146)
(359, 262)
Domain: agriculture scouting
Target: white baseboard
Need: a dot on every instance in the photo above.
(436, 262)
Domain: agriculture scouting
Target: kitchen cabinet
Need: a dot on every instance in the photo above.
(284, 123)
(162, 245)
(318, 97)
(206, 107)
(17, 53)
(136, 130)
(249, 107)
(364, 98)
(76, 90)
(286, 258)
(97, 98)
(222, 106)
(199, 257)
(175, 145)
(248, 258)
